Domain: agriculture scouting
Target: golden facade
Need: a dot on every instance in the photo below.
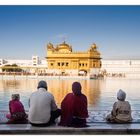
(63, 58)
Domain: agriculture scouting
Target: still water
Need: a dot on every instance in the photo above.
(101, 94)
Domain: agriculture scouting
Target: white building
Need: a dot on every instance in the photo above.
(35, 60)
(127, 68)
(23, 63)
(28, 65)
(123, 68)
(1, 62)
(18, 62)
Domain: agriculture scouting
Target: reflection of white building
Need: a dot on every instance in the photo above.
(128, 68)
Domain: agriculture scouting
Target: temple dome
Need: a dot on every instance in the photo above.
(64, 47)
(94, 46)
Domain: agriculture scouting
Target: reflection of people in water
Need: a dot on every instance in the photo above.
(74, 108)
(17, 112)
(121, 112)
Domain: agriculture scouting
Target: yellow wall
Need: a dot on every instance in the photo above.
(60, 59)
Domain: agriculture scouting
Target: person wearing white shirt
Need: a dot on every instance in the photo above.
(42, 107)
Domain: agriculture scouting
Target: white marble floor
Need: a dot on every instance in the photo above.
(94, 116)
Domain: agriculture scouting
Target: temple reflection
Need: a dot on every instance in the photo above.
(59, 88)
(101, 94)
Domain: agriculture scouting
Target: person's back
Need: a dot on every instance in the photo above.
(123, 111)
(16, 106)
(42, 107)
(74, 108)
(17, 112)
(80, 106)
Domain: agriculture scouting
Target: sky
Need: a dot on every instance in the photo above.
(26, 30)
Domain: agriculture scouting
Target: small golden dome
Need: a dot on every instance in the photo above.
(50, 46)
(94, 46)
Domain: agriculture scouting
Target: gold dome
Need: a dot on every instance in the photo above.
(64, 46)
(94, 46)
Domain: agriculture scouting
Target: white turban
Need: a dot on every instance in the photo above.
(121, 95)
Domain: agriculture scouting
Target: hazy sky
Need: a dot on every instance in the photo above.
(25, 30)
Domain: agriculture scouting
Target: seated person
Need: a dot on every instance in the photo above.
(74, 108)
(17, 112)
(121, 112)
(43, 110)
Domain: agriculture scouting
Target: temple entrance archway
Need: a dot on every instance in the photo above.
(82, 72)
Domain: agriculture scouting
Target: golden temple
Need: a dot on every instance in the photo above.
(63, 60)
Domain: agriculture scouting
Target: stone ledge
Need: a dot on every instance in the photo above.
(96, 122)
(93, 129)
